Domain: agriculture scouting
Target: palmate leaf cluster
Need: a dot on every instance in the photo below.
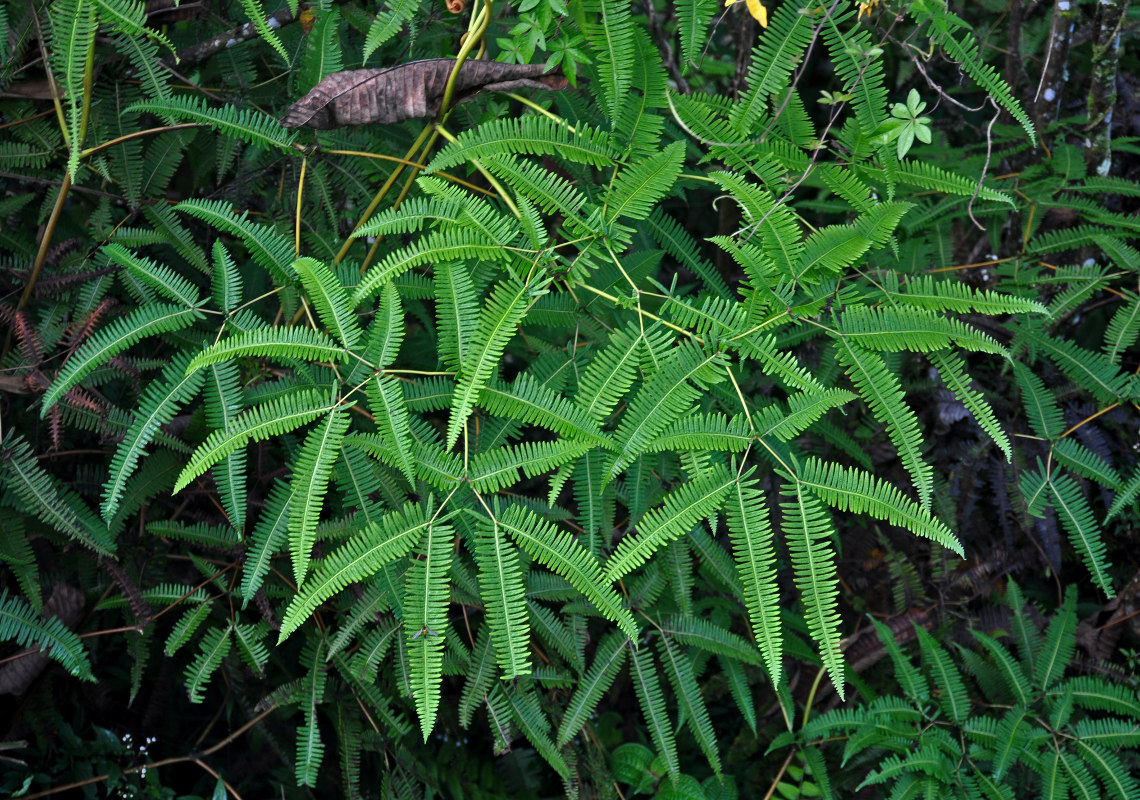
(481, 459)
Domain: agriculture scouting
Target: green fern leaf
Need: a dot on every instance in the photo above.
(159, 276)
(952, 370)
(425, 619)
(534, 726)
(268, 248)
(952, 698)
(269, 536)
(387, 24)
(683, 508)
(679, 671)
(330, 299)
(223, 404)
(1041, 406)
(158, 405)
(608, 659)
(754, 551)
(1078, 521)
(226, 286)
(457, 312)
(282, 343)
(646, 684)
(707, 636)
(956, 296)
(268, 419)
(150, 320)
(808, 530)
(248, 125)
(358, 558)
(386, 400)
(637, 188)
(780, 49)
(1088, 369)
(501, 587)
(20, 622)
(310, 483)
(614, 50)
(497, 323)
(214, 647)
(1123, 329)
(528, 135)
(1060, 639)
(561, 552)
(73, 26)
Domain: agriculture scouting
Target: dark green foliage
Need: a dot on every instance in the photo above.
(486, 453)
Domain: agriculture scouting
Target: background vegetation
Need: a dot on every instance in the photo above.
(756, 417)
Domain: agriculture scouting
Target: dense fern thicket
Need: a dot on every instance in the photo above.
(595, 442)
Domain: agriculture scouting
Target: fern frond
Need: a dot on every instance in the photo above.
(273, 418)
(165, 280)
(425, 619)
(534, 725)
(150, 320)
(1123, 329)
(330, 300)
(158, 405)
(562, 553)
(952, 370)
(910, 329)
(1072, 454)
(1015, 681)
(956, 296)
(268, 248)
(311, 473)
(1088, 369)
(214, 647)
(808, 530)
(269, 536)
(281, 343)
(528, 135)
(614, 48)
(931, 178)
(881, 390)
(246, 124)
(677, 242)
(707, 636)
(683, 508)
(310, 748)
(496, 469)
(1126, 496)
(548, 190)
(386, 400)
(49, 500)
(754, 551)
(608, 660)
(804, 409)
(526, 400)
(636, 189)
(679, 671)
(1041, 406)
(647, 686)
(714, 432)
(501, 587)
(223, 404)
(780, 49)
(356, 559)
(1084, 532)
(73, 26)
(20, 622)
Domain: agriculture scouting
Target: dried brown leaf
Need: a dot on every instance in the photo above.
(408, 91)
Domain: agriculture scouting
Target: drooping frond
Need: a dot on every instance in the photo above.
(807, 530)
(214, 647)
(911, 329)
(1088, 369)
(269, 536)
(683, 508)
(73, 26)
(159, 276)
(679, 670)
(561, 552)
(386, 400)
(426, 594)
(501, 587)
(647, 686)
(280, 343)
(153, 319)
(534, 725)
(780, 50)
(753, 549)
(881, 390)
(19, 622)
(637, 188)
(49, 500)
(356, 559)
(310, 483)
(457, 312)
(528, 135)
(330, 300)
(952, 369)
(1078, 521)
(614, 48)
(268, 248)
(496, 469)
(158, 405)
(247, 124)
(272, 418)
(608, 660)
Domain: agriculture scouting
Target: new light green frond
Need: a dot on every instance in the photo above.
(527, 400)
(647, 685)
(226, 286)
(804, 409)
(663, 398)
(808, 531)
(214, 647)
(499, 468)
(1078, 521)
(561, 552)
(1088, 369)
(682, 508)
(753, 549)
(159, 276)
(607, 663)
(714, 432)
(497, 323)
(330, 300)
(637, 188)
(501, 588)
(246, 124)
(780, 50)
(279, 343)
(358, 558)
(457, 312)
(273, 418)
(153, 319)
(310, 483)
(952, 370)
(448, 244)
(881, 390)
(19, 622)
(957, 296)
(911, 329)
(859, 492)
(426, 594)
(49, 500)
(679, 671)
(528, 135)
(157, 406)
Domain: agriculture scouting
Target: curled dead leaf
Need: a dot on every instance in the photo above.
(408, 91)
(456, 6)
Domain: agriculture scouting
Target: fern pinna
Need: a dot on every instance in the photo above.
(526, 432)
